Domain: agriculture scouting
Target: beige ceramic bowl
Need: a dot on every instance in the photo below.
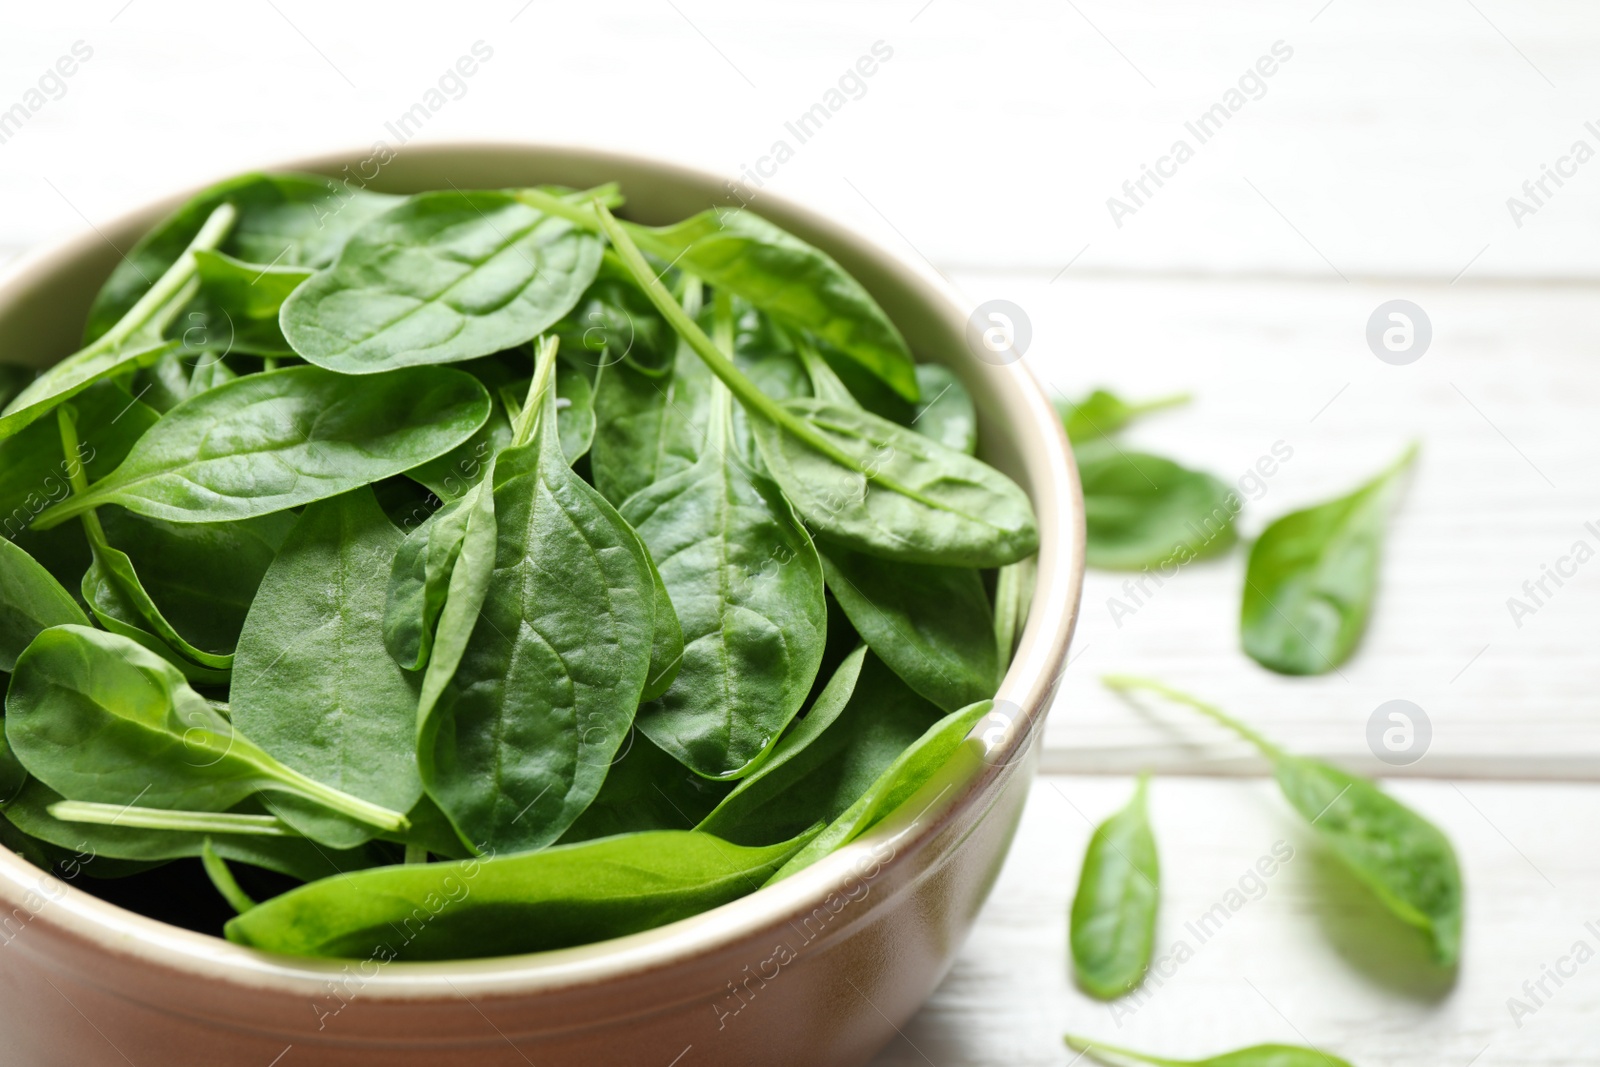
(816, 971)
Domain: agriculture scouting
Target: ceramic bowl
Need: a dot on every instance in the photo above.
(818, 970)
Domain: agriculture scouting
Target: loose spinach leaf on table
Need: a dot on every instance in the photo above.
(1312, 577)
(747, 586)
(288, 220)
(1141, 510)
(441, 278)
(1407, 862)
(1114, 911)
(945, 412)
(799, 285)
(313, 685)
(1254, 1056)
(98, 717)
(269, 442)
(1102, 413)
(913, 768)
(560, 896)
(861, 479)
(932, 625)
(517, 743)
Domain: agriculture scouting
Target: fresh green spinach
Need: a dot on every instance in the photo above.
(1114, 911)
(1141, 510)
(1254, 1056)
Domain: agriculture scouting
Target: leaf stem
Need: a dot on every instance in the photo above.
(77, 477)
(1123, 683)
(740, 386)
(222, 878)
(1160, 403)
(197, 822)
(527, 417)
(1093, 1048)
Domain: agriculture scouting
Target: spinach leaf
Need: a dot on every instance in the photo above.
(913, 768)
(860, 723)
(945, 412)
(858, 478)
(1142, 510)
(650, 416)
(932, 625)
(1013, 597)
(216, 869)
(506, 905)
(98, 717)
(241, 304)
(119, 841)
(1102, 414)
(312, 683)
(794, 282)
(1312, 577)
(667, 645)
(1114, 912)
(747, 585)
(31, 601)
(268, 442)
(647, 789)
(516, 745)
(286, 220)
(443, 277)
(1254, 1056)
(419, 582)
(134, 340)
(1405, 860)
(188, 583)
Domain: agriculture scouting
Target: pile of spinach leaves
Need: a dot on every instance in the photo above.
(479, 546)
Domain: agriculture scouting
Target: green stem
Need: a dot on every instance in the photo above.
(171, 292)
(269, 363)
(1144, 407)
(221, 877)
(544, 365)
(416, 854)
(743, 389)
(1123, 683)
(67, 421)
(196, 822)
(362, 811)
(1094, 1048)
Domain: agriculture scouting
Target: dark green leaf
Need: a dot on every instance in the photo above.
(932, 625)
(747, 586)
(268, 442)
(31, 601)
(289, 220)
(517, 744)
(312, 684)
(443, 277)
(646, 789)
(912, 769)
(858, 726)
(241, 304)
(1312, 577)
(1114, 912)
(1145, 511)
(554, 898)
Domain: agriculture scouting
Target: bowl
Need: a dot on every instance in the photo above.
(820, 969)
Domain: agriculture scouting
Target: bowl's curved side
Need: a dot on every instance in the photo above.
(815, 970)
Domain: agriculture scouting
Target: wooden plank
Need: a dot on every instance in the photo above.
(1305, 956)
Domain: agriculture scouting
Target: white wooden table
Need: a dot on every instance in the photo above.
(1375, 163)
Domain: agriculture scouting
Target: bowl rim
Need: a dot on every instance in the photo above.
(994, 749)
